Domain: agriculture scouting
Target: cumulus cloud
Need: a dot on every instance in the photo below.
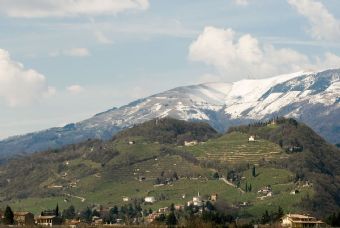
(324, 26)
(75, 89)
(67, 8)
(74, 52)
(20, 86)
(237, 57)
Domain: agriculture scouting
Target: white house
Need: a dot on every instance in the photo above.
(251, 138)
(190, 143)
(149, 199)
(125, 199)
(294, 192)
(196, 201)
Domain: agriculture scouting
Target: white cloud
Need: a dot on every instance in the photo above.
(324, 26)
(236, 58)
(242, 2)
(75, 89)
(66, 8)
(20, 86)
(73, 52)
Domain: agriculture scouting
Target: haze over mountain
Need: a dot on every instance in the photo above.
(311, 97)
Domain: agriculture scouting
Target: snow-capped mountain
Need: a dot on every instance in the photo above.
(312, 97)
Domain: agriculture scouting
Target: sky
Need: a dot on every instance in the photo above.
(63, 61)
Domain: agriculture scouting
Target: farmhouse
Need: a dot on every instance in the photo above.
(141, 178)
(48, 220)
(196, 201)
(149, 199)
(190, 143)
(179, 207)
(152, 217)
(163, 210)
(265, 190)
(251, 138)
(24, 218)
(297, 220)
(294, 192)
(72, 223)
(213, 197)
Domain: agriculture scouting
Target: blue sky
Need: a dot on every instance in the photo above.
(63, 61)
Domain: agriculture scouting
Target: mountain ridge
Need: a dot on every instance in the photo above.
(310, 97)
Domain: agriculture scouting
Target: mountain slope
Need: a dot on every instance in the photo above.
(310, 158)
(102, 172)
(313, 98)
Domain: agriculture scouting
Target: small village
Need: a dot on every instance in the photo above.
(133, 214)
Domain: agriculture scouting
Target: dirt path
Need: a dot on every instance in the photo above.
(231, 184)
(82, 199)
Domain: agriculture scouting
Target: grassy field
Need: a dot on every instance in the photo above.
(111, 193)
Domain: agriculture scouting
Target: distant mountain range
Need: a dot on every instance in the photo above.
(310, 97)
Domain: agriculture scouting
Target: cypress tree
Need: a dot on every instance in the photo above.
(57, 210)
(254, 171)
(171, 219)
(8, 216)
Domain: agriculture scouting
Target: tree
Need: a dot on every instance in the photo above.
(254, 171)
(57, 210)
(249, 188)
(95, 213)
(86, 214)
(265, 218)
(113, 214)
(175, 176)
(209, 206)
(8, 216)
(280, 213)
(69, 213)
(171, 220)
(114, 210)
(172, 207)
(161, 218)
(215, 175)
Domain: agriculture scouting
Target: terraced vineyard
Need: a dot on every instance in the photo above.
(234, 148)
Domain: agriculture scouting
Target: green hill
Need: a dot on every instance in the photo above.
(151, 160)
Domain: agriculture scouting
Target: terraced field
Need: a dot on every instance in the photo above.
(234, 148)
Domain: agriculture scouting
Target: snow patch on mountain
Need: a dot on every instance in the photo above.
(312, 97)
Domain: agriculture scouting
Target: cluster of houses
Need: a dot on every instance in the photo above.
(49, 219)
(23, 218)
(265, 192)
(197, 201)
